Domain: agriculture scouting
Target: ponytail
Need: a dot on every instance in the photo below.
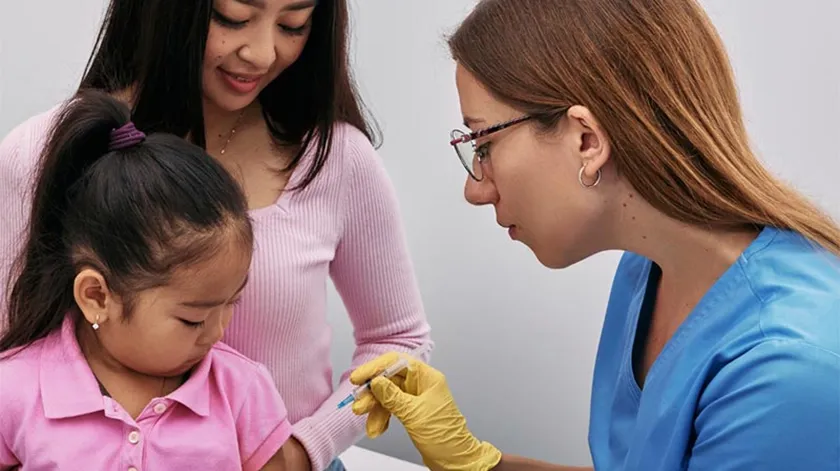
(119, 207)
(79, 137)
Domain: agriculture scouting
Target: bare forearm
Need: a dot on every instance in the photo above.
(518, 463)
(277, 462)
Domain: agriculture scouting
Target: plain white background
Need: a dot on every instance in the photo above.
(516, 340)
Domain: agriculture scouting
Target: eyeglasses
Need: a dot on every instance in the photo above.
(472, 157)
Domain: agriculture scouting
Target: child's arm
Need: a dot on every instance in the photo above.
(276, 463)
(262, 425)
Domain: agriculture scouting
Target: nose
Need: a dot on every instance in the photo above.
(482, 192)
(214, 329)
(260, 50)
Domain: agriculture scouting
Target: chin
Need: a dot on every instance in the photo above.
(227, 102)
(180, 371)
(555, 264)
(557, 259)
(231, 104)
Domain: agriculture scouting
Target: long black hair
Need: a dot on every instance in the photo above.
(157, 47)
(134, 214)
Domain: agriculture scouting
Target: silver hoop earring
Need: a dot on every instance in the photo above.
(95, 324)
(591, 185)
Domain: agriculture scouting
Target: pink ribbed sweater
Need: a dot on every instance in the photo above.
(345, 225)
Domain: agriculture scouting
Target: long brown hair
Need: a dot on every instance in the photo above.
(656, 75)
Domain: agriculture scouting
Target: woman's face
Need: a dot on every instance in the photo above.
(531, 176)
(249, 44)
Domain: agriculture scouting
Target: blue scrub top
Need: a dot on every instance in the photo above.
(750, 380)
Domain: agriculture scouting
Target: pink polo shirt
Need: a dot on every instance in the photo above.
(227, 416)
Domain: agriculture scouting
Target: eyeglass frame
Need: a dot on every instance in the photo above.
(470, 137)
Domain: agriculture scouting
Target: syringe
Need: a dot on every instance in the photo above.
(392, 370)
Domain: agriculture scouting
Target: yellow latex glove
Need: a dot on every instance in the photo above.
(420, 398)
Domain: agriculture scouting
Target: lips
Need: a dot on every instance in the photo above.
(511, 228)
(240, 83)
(244, 77)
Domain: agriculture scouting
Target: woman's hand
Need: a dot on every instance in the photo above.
(420, 398)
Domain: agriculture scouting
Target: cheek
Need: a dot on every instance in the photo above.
(219, 45)
(289, 51)
(150, 347)
(543, 194)
(528, 181)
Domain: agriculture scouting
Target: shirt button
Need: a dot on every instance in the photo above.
(134, 437)
(160, 408)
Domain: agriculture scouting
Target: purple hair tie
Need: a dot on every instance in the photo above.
(124, 136)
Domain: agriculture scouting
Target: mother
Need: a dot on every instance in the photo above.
(264, 86)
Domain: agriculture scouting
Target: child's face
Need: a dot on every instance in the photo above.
(172, 327)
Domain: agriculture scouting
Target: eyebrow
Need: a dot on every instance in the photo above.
(469, 122)
(296, 6)
(215, 302)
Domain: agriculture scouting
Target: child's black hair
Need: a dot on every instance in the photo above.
(134, 214)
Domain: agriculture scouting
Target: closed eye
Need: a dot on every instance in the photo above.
(295, 30)
(227, 22)
(191, 324)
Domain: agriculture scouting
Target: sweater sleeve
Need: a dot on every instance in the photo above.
(15, 182)
(374, 276)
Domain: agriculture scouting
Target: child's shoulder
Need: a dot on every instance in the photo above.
(21, 361)
(234, 368)
(20, 370)
(227, 356)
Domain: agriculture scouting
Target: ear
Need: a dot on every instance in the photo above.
(593, 143)
(92, 296)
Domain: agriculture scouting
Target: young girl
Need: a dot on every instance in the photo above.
(137, 249)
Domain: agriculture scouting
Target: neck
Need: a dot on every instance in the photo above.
(218, 123)
(692, 258)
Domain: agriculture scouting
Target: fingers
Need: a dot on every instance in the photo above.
(366, 403)
(388, 394)
(378, 416)
(377, 421)
(373, 368)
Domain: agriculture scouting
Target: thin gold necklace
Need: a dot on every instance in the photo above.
(232, 132)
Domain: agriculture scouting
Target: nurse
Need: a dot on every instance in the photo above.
(615, 125)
